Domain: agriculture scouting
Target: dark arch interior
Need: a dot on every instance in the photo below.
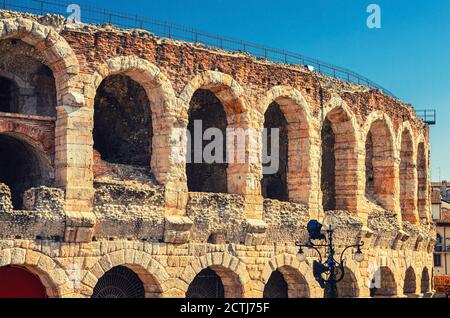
(386, 285)
(274, 186)
(370, 179)
(17, 282)
(20, 167)
(207, 110)
(8, 96)
(119, 282)
(33, 90)
(409, 286)
(207, 284)
(348, 286)
(123, 122)
(425, 281)
(276, 286)
(328, 175)
(45, 92)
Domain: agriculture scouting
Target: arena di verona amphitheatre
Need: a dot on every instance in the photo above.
(93, 203)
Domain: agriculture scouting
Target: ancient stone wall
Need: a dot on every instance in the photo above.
(122, 192)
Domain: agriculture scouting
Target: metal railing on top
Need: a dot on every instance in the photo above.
(95, 15)
(427, 115)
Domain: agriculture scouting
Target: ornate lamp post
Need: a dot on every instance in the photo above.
(329, 272)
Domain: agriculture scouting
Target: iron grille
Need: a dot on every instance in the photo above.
(207, 284)
(119, 282)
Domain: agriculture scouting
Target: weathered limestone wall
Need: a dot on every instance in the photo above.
(173, 267)
(107, 214)
(43, 216)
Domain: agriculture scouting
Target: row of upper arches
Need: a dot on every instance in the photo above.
(216, 99)
(161, 110)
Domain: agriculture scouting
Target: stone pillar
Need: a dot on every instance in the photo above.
(244, 173)
(309, 192)
(168, 161)
(73, 169)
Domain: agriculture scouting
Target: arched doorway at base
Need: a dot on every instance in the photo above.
(18, 282)
(207, 284)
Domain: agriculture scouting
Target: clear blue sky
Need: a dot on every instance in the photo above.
(409, 55)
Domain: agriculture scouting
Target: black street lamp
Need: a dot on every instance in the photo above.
(329, 272)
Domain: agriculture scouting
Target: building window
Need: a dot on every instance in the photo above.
(437, 260)
(438, 246)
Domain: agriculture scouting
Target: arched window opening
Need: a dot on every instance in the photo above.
(328, 174)
(45, 92)
(348, 287)
(119, 282)
(18, 282)
(422, 178)
(383, 283)
(123, 122)
(207, 284)
(21, 167)
(380, 175)
(407, 179)
(410, 286)
(286, 282)
(274, 185)
(276, 286)
(34, 90)
(206, 173)
(425, 282)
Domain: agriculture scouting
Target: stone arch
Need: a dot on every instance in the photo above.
(425, 282)
(207, 174)
(339, 177)
(227, 90)
(296, 274)
(409, 285)
(40, 138)
(348, 287)
(58, 54)
(23, 165)
(51, 275)
(62, 61)
(162, 103)
(408, 174)
(301, 137)
(150, 272)
(274, 183)
(384, 283)
(232, 272)
(119, 282)
(423, 205)
(381, 176)
(296, 285)
(230, 96)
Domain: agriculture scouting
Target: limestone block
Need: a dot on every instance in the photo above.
(177, 229)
